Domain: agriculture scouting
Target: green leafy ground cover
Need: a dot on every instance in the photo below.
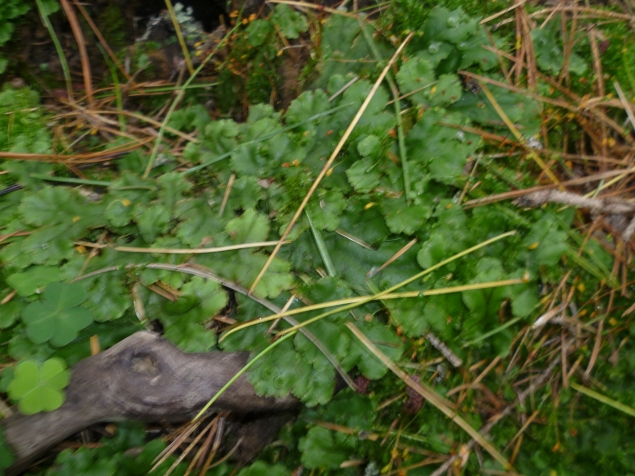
(398, 185)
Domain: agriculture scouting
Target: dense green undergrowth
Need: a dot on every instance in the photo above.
(398, 178)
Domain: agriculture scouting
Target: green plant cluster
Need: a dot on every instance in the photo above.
(397, 179)
(10, 10)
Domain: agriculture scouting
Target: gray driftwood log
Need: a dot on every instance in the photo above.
(143, 378)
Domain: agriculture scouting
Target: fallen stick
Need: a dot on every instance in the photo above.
(143, 378)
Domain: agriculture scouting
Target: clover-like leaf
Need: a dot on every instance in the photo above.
(190, 118)
(38, 388)
(28, 282)
(453, 26)
(57, 317)
(44, 207)
(9, 313)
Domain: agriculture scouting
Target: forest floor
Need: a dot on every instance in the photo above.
(428, 204)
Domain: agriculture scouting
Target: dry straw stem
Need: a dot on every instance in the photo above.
(389, 291)
(101, 39)
(92, 157)
(187, 450)
(590, 11)
(359, 300)
(329, 162)
(390, 260)
(177, 100)
(312, 6)
(517, 134)
(429, 394)
(179, 35)
(399, 285)
(178, 251)
(585, 105)
(537, 382)
(502, 12)
(521, 193)
(228, 190)
(141, 117)
(627, 106)
(81, 46)
(165, 454)
(203, 272)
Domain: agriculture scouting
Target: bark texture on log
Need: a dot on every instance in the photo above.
(143, 378)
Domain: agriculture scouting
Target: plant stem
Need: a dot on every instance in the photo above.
(268, 349)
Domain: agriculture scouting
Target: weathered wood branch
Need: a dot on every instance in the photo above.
(143, 378)
(612, 206)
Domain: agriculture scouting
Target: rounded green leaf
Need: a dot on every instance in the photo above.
(24, 380)
(38, 388)
(53, 373)
(57, 317)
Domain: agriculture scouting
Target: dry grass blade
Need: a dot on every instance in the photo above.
(333, 11)
(520, 193)
(188, 449)
(81, 45)
(228, 190)
(523, 428)
(585, 106)
(329, 162)
(143, 118)
(627, 106)
(390, 260)
(285, 308)
(197, 460)
(382, 294)
(518, 135)
(93, 157)
(220, 431)
(502, 12)
(165, 454)
(430, 395)
(364, 299)
(355, 301)
(101, 39)
(179, 35)
(178, 251)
